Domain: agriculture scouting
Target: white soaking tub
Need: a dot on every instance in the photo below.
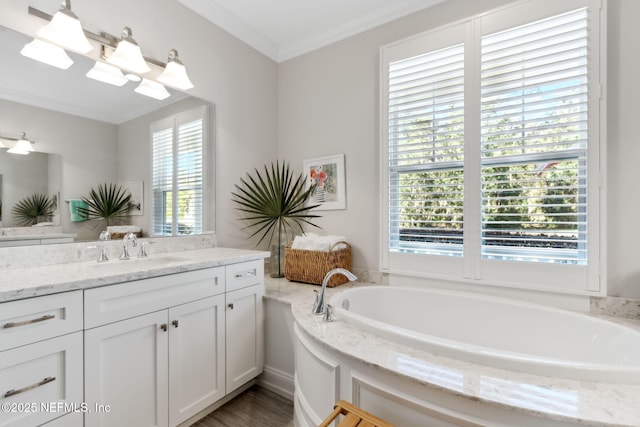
(496, 332)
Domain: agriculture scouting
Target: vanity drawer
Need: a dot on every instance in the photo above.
(34, 319)
(125, 300)
(244, 274)
(41, 381)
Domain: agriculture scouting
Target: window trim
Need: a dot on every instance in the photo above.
(471, 268)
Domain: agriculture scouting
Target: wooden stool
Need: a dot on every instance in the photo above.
(354, 416)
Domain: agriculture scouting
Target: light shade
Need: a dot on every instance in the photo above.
(107, 74)
(175, 73)
(128, 54)
(65, 30)
(23, 146)
(47, 53)
(152, 89)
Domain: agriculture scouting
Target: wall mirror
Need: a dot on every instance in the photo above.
(86, 131)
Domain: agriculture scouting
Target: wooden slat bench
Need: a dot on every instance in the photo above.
(353, 417)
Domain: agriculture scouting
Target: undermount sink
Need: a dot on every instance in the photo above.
(151, 261)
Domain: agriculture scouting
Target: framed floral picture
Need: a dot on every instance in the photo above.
(327, 173)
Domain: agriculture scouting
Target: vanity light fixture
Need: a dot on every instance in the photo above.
(175, 73)
(107, 73)
(23, 146)
(47, 53)
(128, 54)
(65, 30)
(152, 89)
(125, 55)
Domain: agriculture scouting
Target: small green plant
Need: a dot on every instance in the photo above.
(33, 209)
(110, 202)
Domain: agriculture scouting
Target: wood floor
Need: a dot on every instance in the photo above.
(256, 407)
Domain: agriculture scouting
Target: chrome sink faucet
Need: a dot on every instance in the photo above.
(129, 237)
(143, 249)
(319, 305)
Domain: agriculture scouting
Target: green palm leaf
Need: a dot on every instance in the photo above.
(110, 202)
(30, 210)
(274, 201)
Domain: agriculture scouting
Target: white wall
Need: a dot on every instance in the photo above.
(623, 149)
(328, 104)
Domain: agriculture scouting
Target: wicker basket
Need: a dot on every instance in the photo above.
(311, 266)
(116, 236)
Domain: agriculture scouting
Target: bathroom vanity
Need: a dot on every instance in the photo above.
(147, 342)
(29, 236)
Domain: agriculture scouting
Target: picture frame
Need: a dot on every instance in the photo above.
(136, 204)
(329, 176)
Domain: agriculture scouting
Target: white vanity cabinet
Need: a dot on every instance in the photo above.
(158, 351)
(244, 318)
(156, 354)
(41, 360)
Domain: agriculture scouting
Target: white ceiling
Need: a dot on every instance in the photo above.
(283, 29)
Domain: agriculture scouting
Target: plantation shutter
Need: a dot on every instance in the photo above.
(425, 152)
(178, 173)
(162, 180)
(190, 176)
(534, 141)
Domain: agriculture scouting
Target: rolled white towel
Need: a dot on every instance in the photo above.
(315, 242)
(123, 229)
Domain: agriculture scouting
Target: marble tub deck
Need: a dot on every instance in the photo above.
(580, 402)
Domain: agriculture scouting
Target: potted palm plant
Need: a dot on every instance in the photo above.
(109, 202)
(274, 203)
(33, 209)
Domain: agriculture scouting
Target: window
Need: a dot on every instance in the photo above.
(178, 178)
(426, 144)
(492, 153)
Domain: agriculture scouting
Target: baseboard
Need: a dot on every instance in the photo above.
(277, 381)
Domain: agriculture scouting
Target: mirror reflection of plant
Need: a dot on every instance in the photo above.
(110, 202)
(33, 209)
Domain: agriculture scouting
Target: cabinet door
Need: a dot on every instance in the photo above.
(126, 372)
(244, 335)
(196, 357)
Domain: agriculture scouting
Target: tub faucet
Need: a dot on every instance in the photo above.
(319, 306)
(129, 237)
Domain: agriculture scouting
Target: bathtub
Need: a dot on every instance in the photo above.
(496, 332)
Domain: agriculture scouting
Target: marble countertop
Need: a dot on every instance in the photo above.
(35, 236)
(580, 402)
(27, 282)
